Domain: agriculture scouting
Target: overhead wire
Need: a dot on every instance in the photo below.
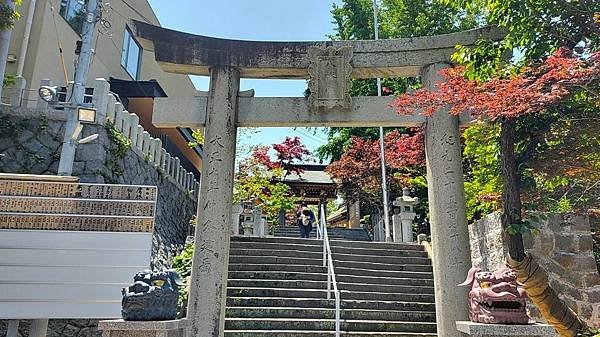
(136, 11)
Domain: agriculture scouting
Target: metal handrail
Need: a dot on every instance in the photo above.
(331, 279)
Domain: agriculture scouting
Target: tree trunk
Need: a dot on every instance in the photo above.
(511, 195)
(529, 273)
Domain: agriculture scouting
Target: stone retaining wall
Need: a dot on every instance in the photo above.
(563, 248)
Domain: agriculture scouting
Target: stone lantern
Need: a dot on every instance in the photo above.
(403, 220)
(248, 218)
(253, 222)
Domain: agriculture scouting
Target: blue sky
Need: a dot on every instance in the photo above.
(271, 20)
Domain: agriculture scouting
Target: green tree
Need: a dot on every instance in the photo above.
(353, 20)
(8, 16)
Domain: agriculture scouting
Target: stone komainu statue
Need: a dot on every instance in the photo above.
(153, 296)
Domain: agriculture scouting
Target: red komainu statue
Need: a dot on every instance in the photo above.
(496, 297)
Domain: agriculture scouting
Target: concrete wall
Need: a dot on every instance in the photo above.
(43, 59)
(563, 248)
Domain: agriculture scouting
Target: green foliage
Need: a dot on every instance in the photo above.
(119, 146)
(590, 333)
(523, 227)
(353, 20)
(198, 136)
(8, 16)
(258, 183)
(483, 183)
(182, 263)
(534, 28)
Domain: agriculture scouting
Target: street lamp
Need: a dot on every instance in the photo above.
(47, 93)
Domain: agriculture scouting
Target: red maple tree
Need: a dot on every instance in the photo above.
(358, 171)
(286, 154)
(535, 89)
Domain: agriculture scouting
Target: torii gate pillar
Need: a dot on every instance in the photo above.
(449, 228)
(208, 289)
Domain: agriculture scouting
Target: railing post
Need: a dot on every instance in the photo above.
(337, 314)
(325, 251)
(328, 283)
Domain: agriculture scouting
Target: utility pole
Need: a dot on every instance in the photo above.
(386, 210)
(67, 154)
(4, 45)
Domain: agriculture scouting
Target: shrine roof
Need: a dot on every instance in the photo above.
(312, 174)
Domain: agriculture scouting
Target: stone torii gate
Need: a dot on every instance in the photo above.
(328, 66)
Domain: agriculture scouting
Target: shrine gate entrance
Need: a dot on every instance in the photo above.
(328, 66)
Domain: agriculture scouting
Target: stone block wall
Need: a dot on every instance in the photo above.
(563, 248)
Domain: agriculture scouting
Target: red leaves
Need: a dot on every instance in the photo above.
(533, 90)
(290, 150)
(360, 165)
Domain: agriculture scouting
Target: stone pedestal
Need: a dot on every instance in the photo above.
(236, 211)
(497, 330)
(447, 208)
(260, 227)
(121, 328)
(402, 224)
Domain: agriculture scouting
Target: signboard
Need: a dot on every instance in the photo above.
(67, 249)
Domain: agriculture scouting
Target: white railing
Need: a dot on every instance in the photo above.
(111, 110)
(328, 262)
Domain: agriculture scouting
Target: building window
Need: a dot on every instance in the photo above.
(72, 11)
(130, 55)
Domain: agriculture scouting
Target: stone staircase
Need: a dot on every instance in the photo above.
(351, 234)
(277, 287)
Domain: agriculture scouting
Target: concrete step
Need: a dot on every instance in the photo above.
(276, 252)
(376, 245)
(248, 301)
(327, 324)
(300, 276)
(328, 313)
(416, 258)
(277, 267)
(381, 296)
(408, 266)
(314, 285)
(276, 260)
(385, 288)
(304, 247)
(373, 280)
(322, 293)
(312, 241)
(277, 275)
(376, 251)
(382, 273)
(288, 333)
(287, 284)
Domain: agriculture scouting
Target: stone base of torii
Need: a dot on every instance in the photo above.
(329, 66)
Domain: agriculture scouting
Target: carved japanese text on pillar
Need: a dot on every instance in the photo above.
(330, 72)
